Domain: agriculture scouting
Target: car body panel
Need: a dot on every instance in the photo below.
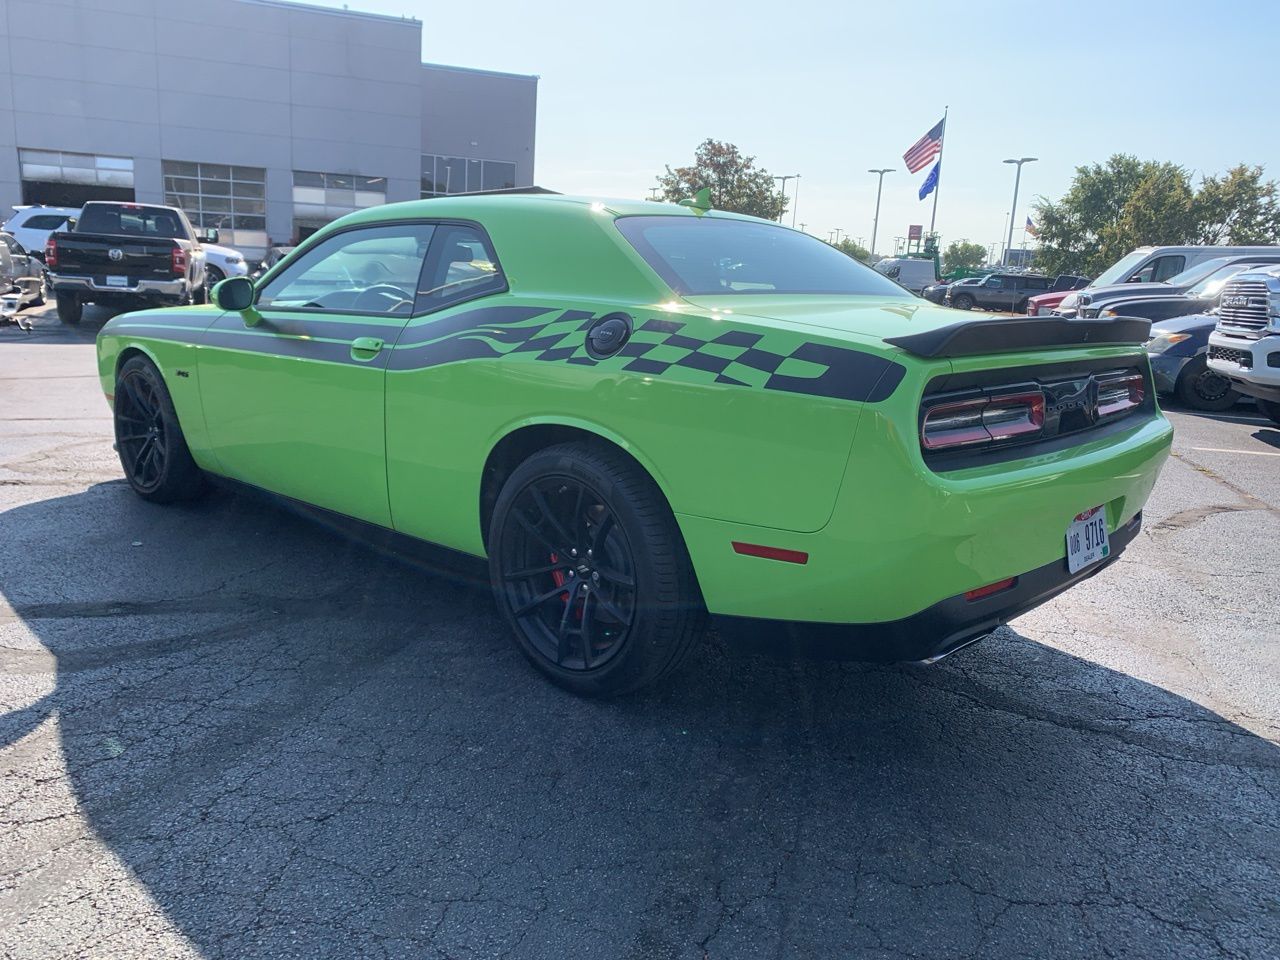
(782, 420)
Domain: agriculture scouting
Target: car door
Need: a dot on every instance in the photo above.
(992, 293)
(293, 389)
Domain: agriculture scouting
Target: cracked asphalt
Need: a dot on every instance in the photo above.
(227, 730)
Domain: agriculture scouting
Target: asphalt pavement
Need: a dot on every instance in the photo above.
(227, 730)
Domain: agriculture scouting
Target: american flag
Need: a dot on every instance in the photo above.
(1031, 228)
(926, 148)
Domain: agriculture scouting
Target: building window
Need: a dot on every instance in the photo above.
(321, 197)
(55, 166)
(445, 175)
(229, 198)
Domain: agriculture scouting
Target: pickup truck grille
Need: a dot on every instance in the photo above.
(1241, 358)
(1243, 309)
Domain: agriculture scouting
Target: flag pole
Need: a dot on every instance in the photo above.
(933, 218)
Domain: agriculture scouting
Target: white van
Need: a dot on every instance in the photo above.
(1153, 264)
(914, 273)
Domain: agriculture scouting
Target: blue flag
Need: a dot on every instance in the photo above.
(931, 181)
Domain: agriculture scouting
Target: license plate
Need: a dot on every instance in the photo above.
(1087, 539)
(117, 281)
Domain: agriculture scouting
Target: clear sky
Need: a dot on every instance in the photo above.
(829, 89)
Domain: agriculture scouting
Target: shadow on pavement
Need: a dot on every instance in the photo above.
(306, 749)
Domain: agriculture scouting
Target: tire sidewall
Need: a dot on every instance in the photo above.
(1186, 391)
(176, 477)
(643, 645)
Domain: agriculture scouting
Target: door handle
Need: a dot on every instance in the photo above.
(366, 348)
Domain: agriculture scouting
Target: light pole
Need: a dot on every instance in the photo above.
(802, 227)
(1013, 211)
(837, 231)
(875, 224)
(784, 179)
(653, 193)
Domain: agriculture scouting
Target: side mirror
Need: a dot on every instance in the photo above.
(209, 235)
(233, 293)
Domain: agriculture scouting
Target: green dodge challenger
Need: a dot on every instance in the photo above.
(644, 413)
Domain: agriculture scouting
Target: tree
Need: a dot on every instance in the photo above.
(736, 183)
(1238, 208)
(851, 248)
(1125, 203)
(964, 256)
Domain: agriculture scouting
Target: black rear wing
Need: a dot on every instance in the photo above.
(970, 338)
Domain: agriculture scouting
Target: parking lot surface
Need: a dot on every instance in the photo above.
(227, 730)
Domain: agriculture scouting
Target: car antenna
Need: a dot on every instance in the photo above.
(700, 201)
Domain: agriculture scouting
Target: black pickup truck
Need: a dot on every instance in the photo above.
(127, 255)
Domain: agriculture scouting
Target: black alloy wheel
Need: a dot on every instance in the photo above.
(590, 570)
(1203, 389)
(152, 448)
(963, 302)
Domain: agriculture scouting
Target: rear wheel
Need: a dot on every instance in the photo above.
(590, 570)
(40, 292)
(1205, 389)
(70, 309)
(962, 302)
(153, 451)
(1271, 408)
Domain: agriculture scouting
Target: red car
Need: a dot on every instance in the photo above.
(1045, 303)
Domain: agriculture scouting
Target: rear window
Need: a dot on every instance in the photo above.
(44, 221)
(134, 221)
(708, 255)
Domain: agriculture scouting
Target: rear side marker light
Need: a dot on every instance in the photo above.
(982, 420)
(991, 588)
(770, 553)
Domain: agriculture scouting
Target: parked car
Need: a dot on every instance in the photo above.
(1043, 304)
(1245, 344)
(274, 256)
(222, 262)
(21, 278)
(1093, 301)
(914, 273)
(638, 444)
(1178, 350)
(128, 255)
(998, 291)
(936, 293)
(1153, 264)
(1174, 298)
(31, 226)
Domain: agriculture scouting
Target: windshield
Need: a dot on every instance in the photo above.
(1197, 273)
(1119, 270)
(708, 255)
(1211, 285)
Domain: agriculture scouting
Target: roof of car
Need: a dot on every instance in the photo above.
(467, 205)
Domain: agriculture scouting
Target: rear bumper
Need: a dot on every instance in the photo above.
(158, 290)
(926, 636)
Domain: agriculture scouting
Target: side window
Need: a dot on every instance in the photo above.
(12, 244)
(366, 270)
(1167, 267)
(995, 283)
(1037, 284)
(460, 266)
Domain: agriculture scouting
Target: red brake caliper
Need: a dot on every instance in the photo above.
(560, 578)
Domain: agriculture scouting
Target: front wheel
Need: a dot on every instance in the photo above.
(1271, 408)
(590, 571)
(1204, 389)
(70, 309)
(153, 451)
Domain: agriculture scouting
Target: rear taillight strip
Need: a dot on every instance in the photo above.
(984, 419)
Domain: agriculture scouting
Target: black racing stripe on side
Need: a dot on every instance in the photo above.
(427, 330)
(185, 335)
(704, 361)
(739, 338)
(435, 354)
(641, 365)
(312, 326)
(662, 326)
(276, 346)
(850, 375)
(635, 348)
(761, 360)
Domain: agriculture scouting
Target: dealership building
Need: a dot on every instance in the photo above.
(263, 118)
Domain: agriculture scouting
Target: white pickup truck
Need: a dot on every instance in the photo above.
(1245, 346)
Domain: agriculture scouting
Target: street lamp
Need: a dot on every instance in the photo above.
(837, 231)
(875, 224)
(784, 179)
(1013, 211)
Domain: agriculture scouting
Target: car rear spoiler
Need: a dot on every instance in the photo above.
(1007, 335)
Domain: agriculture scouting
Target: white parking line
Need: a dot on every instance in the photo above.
(1251, 453)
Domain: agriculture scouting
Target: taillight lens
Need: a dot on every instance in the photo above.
(1119, 394)
(51, 252)
(982, 420)
(179, 262)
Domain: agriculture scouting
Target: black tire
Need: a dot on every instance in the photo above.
(577, 518)
(70, 308)
(212, 277)
(962, 302)
(1271, 408)
(1203, 389)
(149, 440)
(40, 293)
(200, 295)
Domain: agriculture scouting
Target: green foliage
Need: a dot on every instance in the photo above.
(1112, 208)
(853, 249)
(735, 182)
(964, 256)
